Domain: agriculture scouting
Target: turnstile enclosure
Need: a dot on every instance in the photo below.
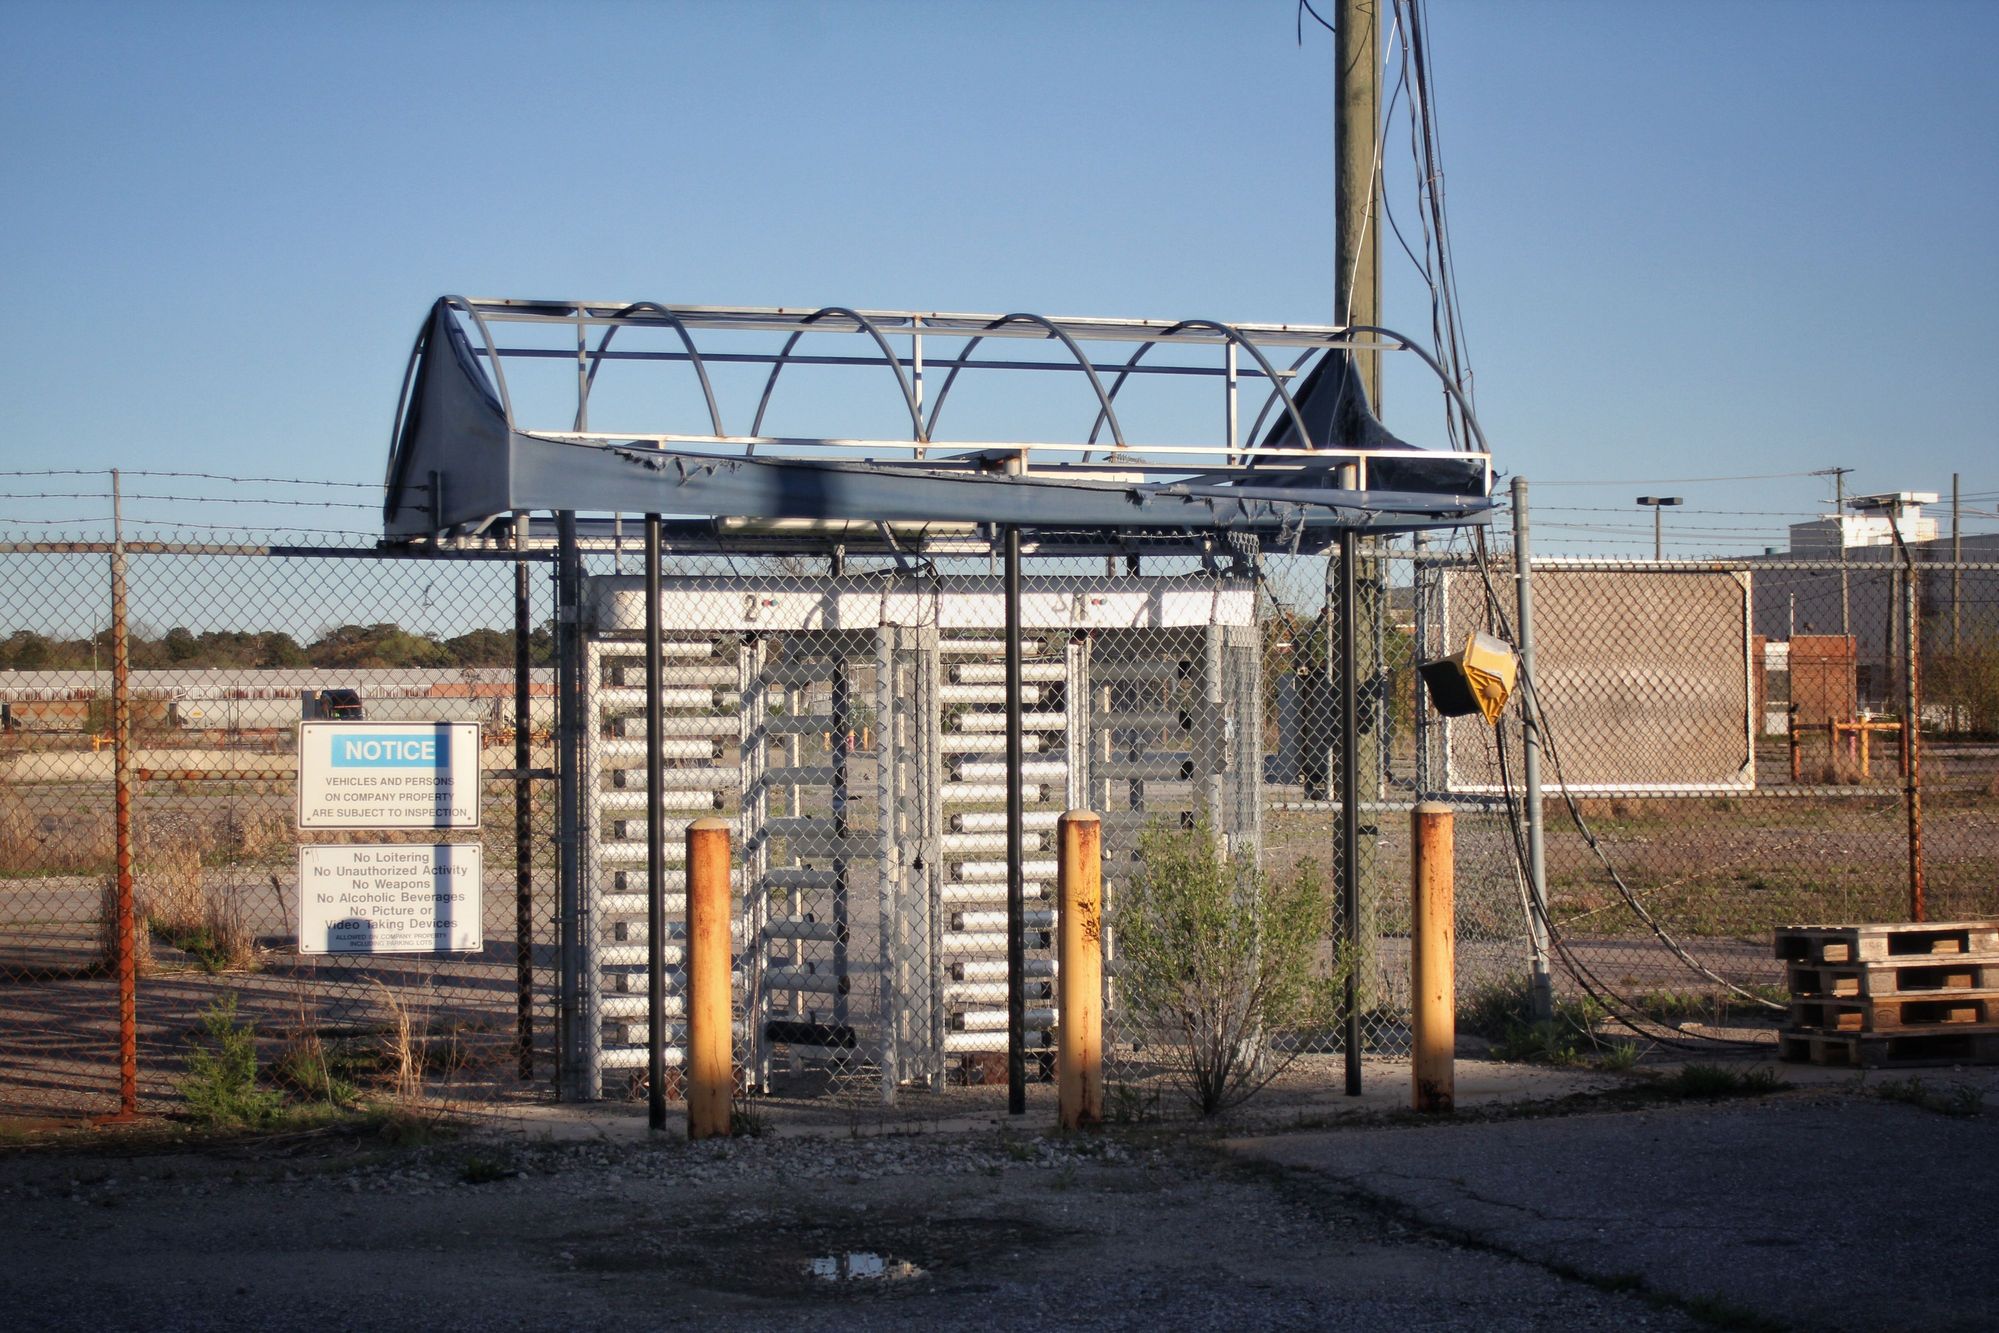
(852, 729)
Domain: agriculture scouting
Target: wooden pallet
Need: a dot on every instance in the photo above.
(1876, 943)
(1915, 978)
(1978, 1046)
(1893, 1013)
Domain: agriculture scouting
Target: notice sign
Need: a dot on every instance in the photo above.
(388, 775)
(395, 899)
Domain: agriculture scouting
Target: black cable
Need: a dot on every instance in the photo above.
(1614, 1002)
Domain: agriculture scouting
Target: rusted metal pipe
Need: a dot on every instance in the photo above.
(710, 1062)
(1079, 970)
(1912, 731)
(212, 774)
(1791, 732)
(1433, 963)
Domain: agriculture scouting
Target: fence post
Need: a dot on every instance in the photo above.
(1912, 731)
(1541, 991)
(1079, 970)
(523, 812)
(710, 1055)
(656, 852)
(121, 758)
(1433, 961)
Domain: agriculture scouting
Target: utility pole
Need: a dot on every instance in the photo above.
(1356, 133)
(1357, 300)
(1957, 571)
(1838, 475)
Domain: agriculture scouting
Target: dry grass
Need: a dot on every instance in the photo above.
(179, 903)
(108, 941)
(31, 844)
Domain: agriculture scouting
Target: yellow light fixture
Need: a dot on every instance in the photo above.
(1476, 679)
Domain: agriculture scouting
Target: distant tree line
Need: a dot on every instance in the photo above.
(381, 645)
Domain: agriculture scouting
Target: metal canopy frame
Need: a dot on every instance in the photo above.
(461, 457)
(461, 463)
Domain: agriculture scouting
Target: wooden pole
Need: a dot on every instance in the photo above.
(710, 1059)
(1433, 964)
(1079, 970)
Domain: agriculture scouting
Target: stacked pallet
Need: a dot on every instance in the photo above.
(1886, 996)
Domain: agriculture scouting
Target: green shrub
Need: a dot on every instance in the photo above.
(1222, 963)
(220, 1086)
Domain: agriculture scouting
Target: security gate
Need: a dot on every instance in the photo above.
(853, 730)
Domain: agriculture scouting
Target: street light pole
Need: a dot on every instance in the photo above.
(1655, 503)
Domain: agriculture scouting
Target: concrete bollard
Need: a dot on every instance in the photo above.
(1079, 970)
(710, 1057)
(1433, 963)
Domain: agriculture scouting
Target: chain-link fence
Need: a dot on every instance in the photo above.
(1725, 751)
(1722, 752)
(230, 648)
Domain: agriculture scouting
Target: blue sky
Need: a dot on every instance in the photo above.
(1692, 240)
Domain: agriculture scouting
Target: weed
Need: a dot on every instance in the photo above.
(1957, 1100)
(1617, 1057)
(1502, 1012)
(1710, 1082)
(1127, 1104)
(747, 1119)
(478, 1170)
(220, 1086)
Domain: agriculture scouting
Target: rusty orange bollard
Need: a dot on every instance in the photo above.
(1079, 970)
(1433, 964)
(710, 1057)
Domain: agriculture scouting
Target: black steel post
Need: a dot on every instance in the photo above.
(576, 1015)
(523, 814)
(1016, 890)
(1350, 809)
(655, 851)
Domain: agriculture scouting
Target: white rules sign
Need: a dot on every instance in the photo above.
(394, 899)
(388, 775)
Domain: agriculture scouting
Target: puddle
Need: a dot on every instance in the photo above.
(861, 1266)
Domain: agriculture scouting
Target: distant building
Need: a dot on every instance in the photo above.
(1854, 585)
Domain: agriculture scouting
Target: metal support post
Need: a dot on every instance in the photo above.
(1912, 728)
(121, 742)
(1350, 811)
(577, 1072)
(710, 1053)
(523, 814)
(1016, 889)
(655, 850)
(1079, 1023)
(1541, 985)
(1433, 959)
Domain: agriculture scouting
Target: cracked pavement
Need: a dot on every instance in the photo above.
(1808, 1209)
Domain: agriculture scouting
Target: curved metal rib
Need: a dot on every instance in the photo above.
(392, 482)
(686, 340)
(1270, 400)
(1105, 412)
(1405, 344)
(1229, 334)
(888, 355)
(459, 303)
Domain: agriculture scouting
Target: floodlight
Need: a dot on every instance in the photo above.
(1476, 679)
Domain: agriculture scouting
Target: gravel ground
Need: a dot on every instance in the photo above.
(985, 1229)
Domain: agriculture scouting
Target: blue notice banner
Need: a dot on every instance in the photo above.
(422, 749)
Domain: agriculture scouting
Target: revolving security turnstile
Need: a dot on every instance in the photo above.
(853, 730)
